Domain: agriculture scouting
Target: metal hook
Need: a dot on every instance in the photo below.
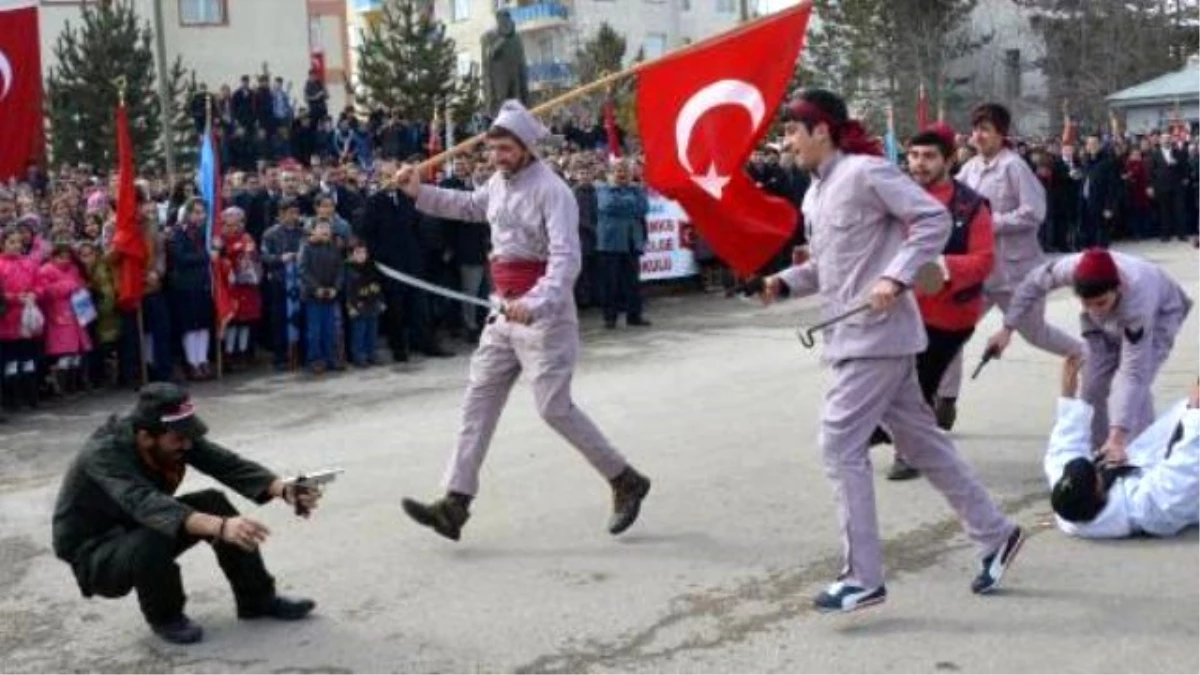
(807, 336)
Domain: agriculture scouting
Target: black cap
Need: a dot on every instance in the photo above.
(163, 406)
(1075, 498)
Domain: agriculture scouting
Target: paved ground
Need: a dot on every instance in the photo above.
(718, 403)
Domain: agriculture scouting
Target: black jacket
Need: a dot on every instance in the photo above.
(389, 226)
(469, 242)
(364, 295)
(109, 490)
(1167, 178)
(1101, 188)
(321, 267)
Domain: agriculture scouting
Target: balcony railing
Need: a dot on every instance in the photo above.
(545, 74)
(539, 15)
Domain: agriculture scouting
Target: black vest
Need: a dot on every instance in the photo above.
(964, 204)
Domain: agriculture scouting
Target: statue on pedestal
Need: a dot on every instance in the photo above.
(504, 75)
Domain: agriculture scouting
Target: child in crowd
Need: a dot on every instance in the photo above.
(19, 346)
(105, 331)
(364, 304)
(67, 338)
(240, 263)
(321, 275)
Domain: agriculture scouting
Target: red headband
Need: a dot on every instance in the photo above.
(851, 135)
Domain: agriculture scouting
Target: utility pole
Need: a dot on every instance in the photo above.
(744, 10)
(165, 104)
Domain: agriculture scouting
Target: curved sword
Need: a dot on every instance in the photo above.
(444, 292)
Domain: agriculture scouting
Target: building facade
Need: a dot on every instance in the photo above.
(221, 40)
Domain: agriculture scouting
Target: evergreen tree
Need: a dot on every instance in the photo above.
(81, 91)
(603, 53)
(1097, 47)
(876, 52)
(407, 63)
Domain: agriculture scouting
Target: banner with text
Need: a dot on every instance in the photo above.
(669, 253)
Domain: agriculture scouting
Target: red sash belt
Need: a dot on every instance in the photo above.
(514, 278)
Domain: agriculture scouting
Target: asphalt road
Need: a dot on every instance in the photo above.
(718, 403)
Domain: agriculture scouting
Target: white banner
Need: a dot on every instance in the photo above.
(669, 253)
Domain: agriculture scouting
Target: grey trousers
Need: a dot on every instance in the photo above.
(1102, 358)
(548, 350)
(471, 277)
(865, 393)
(1033, 328)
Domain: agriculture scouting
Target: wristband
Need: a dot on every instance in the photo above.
(221, 531)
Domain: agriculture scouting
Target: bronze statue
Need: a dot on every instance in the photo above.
(504, 64)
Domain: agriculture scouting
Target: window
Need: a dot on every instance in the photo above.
(1012, 74)
(655, 45)
(463, 64)
(460, 10)
(726, 6)
(203, 13)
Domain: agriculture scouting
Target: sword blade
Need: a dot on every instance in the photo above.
(410, 280)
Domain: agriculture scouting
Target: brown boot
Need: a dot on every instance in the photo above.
(446, 516)
(629, 489)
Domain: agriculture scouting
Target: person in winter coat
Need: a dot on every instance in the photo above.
(66, 338)
(321, 283)
(240, 264)
(364, 304)
(620, 239)
(189, 280)
(105, 331)
(19, 347)
(1137, 179)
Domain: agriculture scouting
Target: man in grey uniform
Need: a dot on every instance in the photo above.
(871, 228)
(1018, 203)
(535, 259)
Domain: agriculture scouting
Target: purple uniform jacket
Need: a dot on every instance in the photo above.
(867, 220)
(1018, 203)
(1151, 311)
(533, 216)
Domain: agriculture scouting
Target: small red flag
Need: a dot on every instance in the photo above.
(702, 112)
(922, 108)
(129, 242)
(610, 129)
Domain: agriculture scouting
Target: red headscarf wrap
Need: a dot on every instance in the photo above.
(851, 135)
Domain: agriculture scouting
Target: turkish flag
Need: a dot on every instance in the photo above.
(701, 113)
(128, 241)
(21, 141)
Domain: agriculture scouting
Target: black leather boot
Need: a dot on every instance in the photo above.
(446, 516)
(629, 489)
(277, 607)
(946, 412)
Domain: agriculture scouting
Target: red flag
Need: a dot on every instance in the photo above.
(1070, 133)
(128, 240)
(702, 112)
(922, 108)
(610, 129)
(21, 141)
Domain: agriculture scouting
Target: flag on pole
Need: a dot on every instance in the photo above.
(890, 147)
(128, 240)
(922, 108)
(22, 138)
(210, 192)
(1070, 132)
(701, 112)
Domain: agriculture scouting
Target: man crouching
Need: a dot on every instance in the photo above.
(119, 526)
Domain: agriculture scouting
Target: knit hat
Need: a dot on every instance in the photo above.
(516, 119)
(945, 132)
(1096, 268)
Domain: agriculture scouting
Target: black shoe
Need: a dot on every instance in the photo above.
(946, 412)
(180, 631)
(901, 471)
(629, 489)
(996, 564)
(278, 607)
(638, 322)
(29, 390)
(446, 516)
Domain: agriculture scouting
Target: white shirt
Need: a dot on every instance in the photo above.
(1160, 499)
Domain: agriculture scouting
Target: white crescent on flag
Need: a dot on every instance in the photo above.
(6, 73)
(719, 93)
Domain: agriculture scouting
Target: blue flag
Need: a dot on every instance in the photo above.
(210, 183)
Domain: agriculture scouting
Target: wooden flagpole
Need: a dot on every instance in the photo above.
(610, 80)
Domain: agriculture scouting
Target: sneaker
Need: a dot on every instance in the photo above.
(996, 564)
(842, 597)
(179, 631)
